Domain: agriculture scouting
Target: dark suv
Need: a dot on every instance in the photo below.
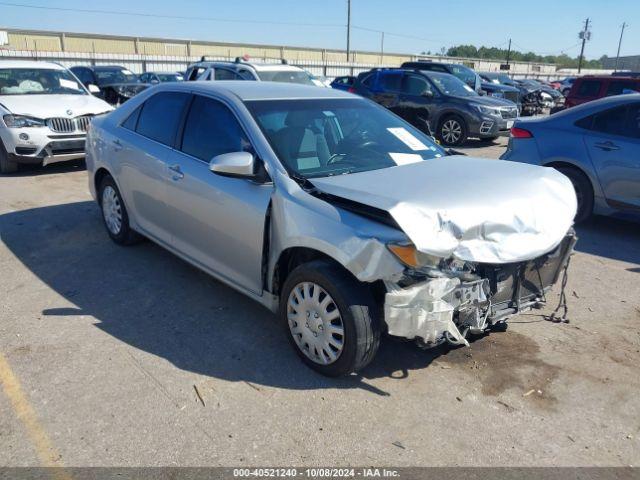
(465, 74)
(438, 103)
(116, 83)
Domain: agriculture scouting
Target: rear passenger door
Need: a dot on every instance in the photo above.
(143, 150)
(417, 101)
(387, 90)
(614, 148)
(217, 221)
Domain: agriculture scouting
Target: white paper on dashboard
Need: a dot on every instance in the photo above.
(408, 139)
(405, 158)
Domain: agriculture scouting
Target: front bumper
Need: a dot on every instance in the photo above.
(42, 146)
(433, 310)
(487, 126)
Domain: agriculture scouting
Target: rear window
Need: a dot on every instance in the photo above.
(589, 88)
(618, 87)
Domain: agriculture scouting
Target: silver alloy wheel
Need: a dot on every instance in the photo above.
(111, 210)
(451, 131)
(315, 323)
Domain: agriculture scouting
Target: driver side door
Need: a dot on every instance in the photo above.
(217, 221)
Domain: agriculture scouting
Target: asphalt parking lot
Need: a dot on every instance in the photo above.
(130, 357)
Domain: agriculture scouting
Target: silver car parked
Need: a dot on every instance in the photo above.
(331, 211)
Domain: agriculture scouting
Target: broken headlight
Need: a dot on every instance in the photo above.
(409, 255)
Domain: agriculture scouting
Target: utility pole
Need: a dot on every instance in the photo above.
(509, 52)
(624, 25)
(584, 35)
(348, 29)
(382, 47)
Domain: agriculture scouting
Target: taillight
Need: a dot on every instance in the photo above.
(520, 133)
(351, 90)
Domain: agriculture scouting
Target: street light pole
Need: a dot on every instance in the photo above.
(624, 25)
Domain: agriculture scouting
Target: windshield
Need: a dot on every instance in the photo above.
(287, 76)
(115, 75)
(465, 74)
(38, 81)
(320, 138)
(450, 85)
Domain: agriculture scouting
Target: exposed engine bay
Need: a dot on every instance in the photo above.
(448, 303)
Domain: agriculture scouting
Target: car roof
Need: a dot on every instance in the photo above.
(247, 90)
(30, 64)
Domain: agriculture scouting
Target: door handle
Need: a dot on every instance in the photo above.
(607, 146)
(117, 146)
(176, 172)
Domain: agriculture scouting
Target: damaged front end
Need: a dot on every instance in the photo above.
(450, 299)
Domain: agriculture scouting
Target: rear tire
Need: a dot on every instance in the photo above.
(114, 213)
(6, 165)
(350, 312)
(452, 131)
(584, 192)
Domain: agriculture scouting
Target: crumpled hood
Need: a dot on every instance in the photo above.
(47, 106)
(487, 211)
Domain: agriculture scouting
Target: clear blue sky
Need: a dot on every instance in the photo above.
(543, 26)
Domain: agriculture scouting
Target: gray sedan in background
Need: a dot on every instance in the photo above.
(331, 211)
(596, 145)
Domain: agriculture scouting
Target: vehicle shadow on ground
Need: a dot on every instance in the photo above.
(62, 167)
(150, 299)
(611, 238)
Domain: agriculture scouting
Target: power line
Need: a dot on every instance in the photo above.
(171, 17)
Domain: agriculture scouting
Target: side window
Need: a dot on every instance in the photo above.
(211, 129)
(195, 73)
(589, 88)
(83, 74)
(436, 68)
(618, 87)
(391, 81)
(160, 116)
(132, 120)
(612, 122)
(415, 85)
(224, 74)
(366, 81)
(633, 120)
(144, 78)
(246, 74)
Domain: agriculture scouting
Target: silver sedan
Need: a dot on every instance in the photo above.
(331, 211)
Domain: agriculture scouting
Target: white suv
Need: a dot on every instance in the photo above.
(243, 70)
(44, 114)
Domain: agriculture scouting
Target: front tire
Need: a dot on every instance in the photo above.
(6, 165)
(584, 192)
(453, 131)
(331, 319)
(114, 213)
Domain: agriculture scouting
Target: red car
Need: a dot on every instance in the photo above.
(592, 87)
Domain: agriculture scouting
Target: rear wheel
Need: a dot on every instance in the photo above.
(452, 131)
(584, 192)
(114, 213)
(330, 317)
(6, 165)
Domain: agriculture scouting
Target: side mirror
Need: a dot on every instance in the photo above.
(427, 94)
(482, 93)
(234, 164)
(155, 81)
(93, 88)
